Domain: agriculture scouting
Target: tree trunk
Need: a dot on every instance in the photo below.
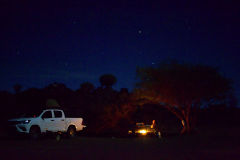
(186, 124)
(184, 116)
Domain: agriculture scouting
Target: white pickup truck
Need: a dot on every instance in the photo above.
(49, 120)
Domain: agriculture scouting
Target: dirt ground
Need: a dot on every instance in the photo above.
(207, 145)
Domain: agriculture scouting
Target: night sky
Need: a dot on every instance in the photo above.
(72, 42)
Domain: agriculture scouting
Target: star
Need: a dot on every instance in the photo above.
(139, 31)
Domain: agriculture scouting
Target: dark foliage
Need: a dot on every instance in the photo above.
(182, 88)
(17, 88)
(107, 80)
(109, 112)
(102, 108)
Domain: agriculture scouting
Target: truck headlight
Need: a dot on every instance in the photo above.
(26, 121)
(143, 131)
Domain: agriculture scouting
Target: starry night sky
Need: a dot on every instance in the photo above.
(77, 41)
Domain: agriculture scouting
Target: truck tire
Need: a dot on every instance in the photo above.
(71, 132)
(34, 132)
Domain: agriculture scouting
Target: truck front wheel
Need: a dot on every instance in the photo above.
(35, 132)
(71, 131)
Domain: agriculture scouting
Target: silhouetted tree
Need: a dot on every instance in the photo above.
(117, 115)
(17, 88)
(85, 97)
(60, 92)
(181, 88)
(107, 80)
(123, 95)
(52, 103)
(87, 87)
(7, 104)
(30, 99)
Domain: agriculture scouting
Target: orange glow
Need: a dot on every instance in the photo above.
(142, 132)
(153, 123)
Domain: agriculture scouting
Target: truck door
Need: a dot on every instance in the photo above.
(47, 121)
(59, 121)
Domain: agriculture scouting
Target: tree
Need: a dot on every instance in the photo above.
(60, 92)
(181, 88)
(84, 96)
(107, 80)
(17, 88)
(117, 115)
(52, 103)
(87, 87)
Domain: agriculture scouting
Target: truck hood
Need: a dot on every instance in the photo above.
(20, 119)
